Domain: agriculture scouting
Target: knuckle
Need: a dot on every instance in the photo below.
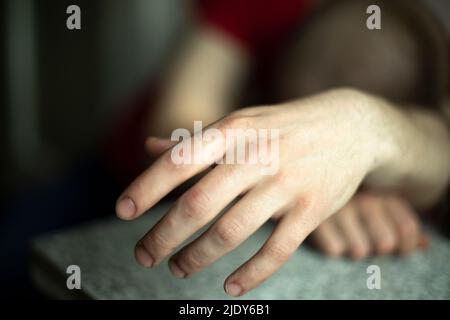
(170, 220)
(277, 253)
(305, 202)
(195, 202)
(282, 177)
(236, 120)
(334, 250)
(359, 251)
(191, 261)
(158, 240)
(367, 200)
(408, 227)
(386, 245)
(237, 114)
(228, 233)
(250, 111)
(227, 175)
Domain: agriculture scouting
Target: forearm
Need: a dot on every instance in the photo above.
(202, 82)
(417, 164)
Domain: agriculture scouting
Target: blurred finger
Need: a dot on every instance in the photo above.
(328, 238)
(156, 146)
(290, 232)
(358, 243)
(235, 226)
(406, 224)
(424, 241)
(166, 173)
(377, 223)
(197, 207)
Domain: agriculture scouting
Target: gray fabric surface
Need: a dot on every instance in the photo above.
(104, 252)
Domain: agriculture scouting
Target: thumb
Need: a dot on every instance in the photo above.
(154, 146)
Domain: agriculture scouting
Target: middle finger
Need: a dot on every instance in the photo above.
(194, 209)
(243, 219)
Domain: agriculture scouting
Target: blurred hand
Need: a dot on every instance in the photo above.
(371, 224)
(328, 143)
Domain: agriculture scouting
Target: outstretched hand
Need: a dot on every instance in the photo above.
(326, 145)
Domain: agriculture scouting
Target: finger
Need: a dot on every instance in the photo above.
(377, 223)
(284, 241)
(328, 238)
(156, 146)
(358, 243)
(424, 241)
(196, 207)
(166, 173)
(236, 225)
(406, 224)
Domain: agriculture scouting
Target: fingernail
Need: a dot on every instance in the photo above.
(143, 257)
(176, 270)
(233, 289)
(126, 209)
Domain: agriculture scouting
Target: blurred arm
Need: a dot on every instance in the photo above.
(202, 83)
(419, 165)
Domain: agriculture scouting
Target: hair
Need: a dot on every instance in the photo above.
(405, 61)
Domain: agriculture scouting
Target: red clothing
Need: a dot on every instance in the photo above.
(258, 25)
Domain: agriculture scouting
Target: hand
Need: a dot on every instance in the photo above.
(327, 145)
(371, 224)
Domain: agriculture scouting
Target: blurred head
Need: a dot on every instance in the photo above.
(405, 61)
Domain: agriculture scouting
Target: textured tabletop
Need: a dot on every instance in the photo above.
(104, 252)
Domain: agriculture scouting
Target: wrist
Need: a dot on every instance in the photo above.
(374, 121)
(389, 129)
(386, 142)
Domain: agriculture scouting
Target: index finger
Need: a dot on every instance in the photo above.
(166, 173)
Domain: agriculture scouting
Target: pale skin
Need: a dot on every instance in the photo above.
(371, 224)
(372, 142)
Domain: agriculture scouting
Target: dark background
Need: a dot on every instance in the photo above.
(60, 91)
